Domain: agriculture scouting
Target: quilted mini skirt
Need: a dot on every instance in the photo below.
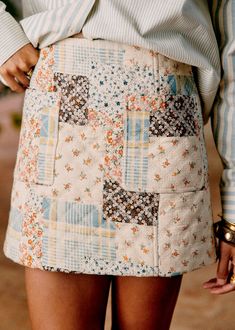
(111, 175)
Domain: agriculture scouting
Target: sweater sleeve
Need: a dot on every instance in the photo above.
(223, 112)
(12, 37)
(58, 23)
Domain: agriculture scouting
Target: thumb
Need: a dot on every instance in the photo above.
(223, 267)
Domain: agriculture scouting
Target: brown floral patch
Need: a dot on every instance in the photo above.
(75, 93)
(129, 206)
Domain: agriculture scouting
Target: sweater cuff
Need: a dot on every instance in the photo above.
(12, 37)
(228, 203)
(71, 18)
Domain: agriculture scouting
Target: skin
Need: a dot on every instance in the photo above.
(60, 301)
(17, 66)
(71, 295)
(144, 302)
(226, 266)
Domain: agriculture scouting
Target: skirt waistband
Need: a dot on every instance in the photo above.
(73, 54)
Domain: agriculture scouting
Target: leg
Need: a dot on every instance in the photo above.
(144, 302)
(60, 301)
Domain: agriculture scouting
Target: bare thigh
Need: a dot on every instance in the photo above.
(144, 302)
(60, 301)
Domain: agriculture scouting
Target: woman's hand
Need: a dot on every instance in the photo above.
(225, 268)
(14, 70)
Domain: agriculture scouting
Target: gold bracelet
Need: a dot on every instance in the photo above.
(229, 225)
(223, 232)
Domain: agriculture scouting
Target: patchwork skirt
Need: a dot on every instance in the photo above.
(111, 175)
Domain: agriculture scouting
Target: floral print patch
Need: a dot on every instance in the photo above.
(176, 117)
(130, 207)
(135, 243)
(175, 164)
(38, 137)
(74, 95)
(79, 165)
(30, 245)
(43, 77)
(186, 238)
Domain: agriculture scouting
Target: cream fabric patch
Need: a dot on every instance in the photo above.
(175, 164)
(136, 243)
(79, 165)
(186, 238)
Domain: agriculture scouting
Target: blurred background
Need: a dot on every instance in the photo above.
(196, 308)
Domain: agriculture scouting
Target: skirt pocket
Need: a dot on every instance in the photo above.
(38, 137)
(186, 238)
(164, 148)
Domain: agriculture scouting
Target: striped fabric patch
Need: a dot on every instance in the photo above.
(66, 52)
(47, 144)
(135, 153)
(179, 84)
(16, 219)
(73, 231)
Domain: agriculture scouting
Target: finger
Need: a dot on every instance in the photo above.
(210, 283)
(233, 265)
(22, 78)
(223, 265)
(32, 56)
(14, 86)
(23, 66)
(223, 289)
(213, 283)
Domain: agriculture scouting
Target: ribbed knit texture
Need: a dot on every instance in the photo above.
(182, 30)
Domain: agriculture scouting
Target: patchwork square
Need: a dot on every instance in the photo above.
(43, 77)
(13, 234)
(38, 137)
(114, 144)
(186, 238)
(108, 85)
(79, 164)
(168, 66)
(73, 231)
(47, 146)
(129, 206)
(136, 244)
(178, 84)
(175, 164)
(16, 213)
(135, 160)
(176, 117)
(85, 52)
(30, 244)
(16, 224)
(74, 96)
(141, 57)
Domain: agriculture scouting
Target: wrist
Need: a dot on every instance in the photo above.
(225, 231)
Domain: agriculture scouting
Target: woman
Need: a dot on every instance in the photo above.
(111, 175)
